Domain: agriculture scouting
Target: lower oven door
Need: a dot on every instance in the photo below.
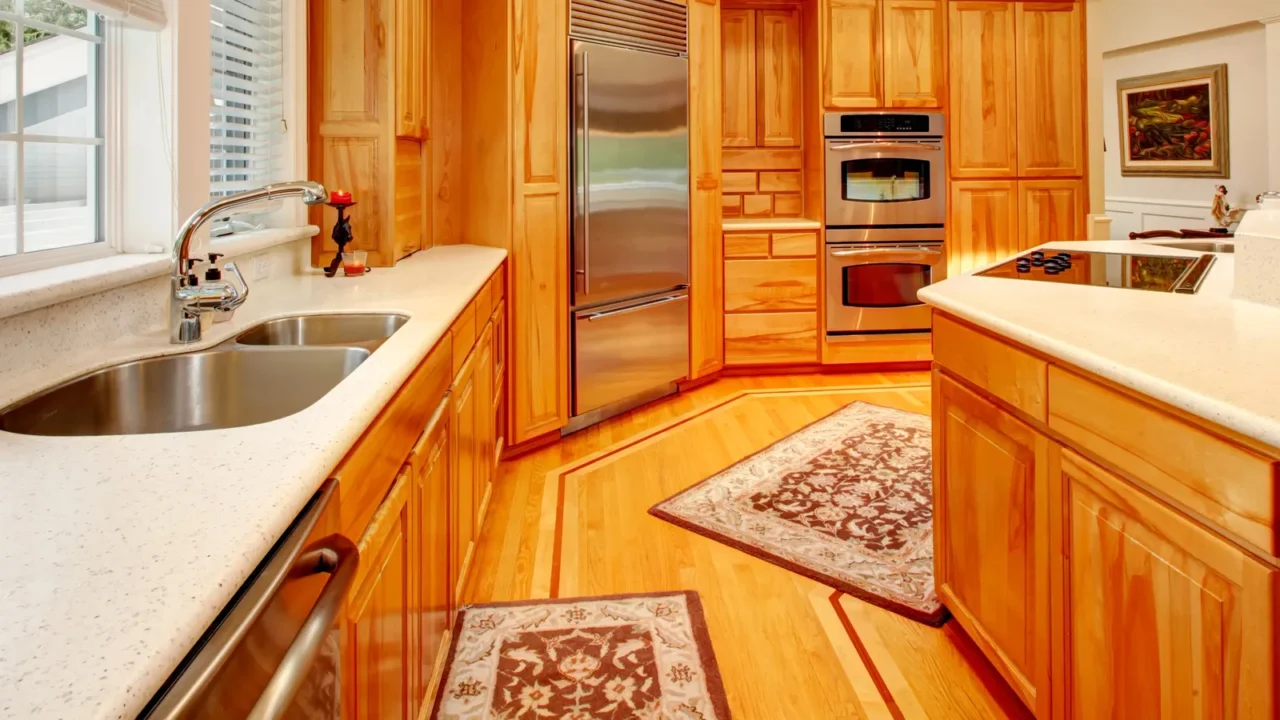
(872, 288)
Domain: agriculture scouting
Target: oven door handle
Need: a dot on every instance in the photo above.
(933, 254)
(884, 146)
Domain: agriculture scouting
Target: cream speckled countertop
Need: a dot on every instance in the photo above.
(116, 553)
(1208, 354)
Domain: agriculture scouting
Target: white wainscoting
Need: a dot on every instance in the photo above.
(1143, 214)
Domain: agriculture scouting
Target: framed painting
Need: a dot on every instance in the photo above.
(1175, 124)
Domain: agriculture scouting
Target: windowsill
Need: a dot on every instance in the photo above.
(41, 288)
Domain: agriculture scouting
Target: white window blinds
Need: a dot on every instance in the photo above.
(247, 117)
(137, 13)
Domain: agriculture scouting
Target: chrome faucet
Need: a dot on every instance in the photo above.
(189, 301)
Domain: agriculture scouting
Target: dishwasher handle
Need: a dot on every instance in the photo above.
(339, 557)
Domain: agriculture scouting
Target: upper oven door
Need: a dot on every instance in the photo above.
(885, 182)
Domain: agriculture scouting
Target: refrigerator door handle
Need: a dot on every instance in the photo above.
(585, 175)
(633, 308)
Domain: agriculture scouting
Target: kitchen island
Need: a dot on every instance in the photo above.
(1105, 489)
(117, 552)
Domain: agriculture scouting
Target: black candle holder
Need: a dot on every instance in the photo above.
(341, 235)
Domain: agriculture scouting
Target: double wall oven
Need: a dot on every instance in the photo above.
(886, 209)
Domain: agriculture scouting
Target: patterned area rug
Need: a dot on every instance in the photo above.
(847, 501)
(601, 658)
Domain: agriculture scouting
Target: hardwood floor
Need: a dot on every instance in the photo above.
(572, 519)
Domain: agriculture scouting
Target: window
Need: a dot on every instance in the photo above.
(51, 137)
(247, 118)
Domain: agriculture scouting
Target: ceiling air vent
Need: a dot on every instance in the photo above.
(642, 24)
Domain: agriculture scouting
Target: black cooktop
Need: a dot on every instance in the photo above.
(1158, 273)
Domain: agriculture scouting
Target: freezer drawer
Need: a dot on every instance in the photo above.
(623, 350)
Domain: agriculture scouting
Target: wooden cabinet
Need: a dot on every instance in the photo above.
(991, 524)
(1050, 210)
(409, 490)
(779, 78)
(851, 54)
(983, 97)
(1050, 89)
(770, 285)
(983, 217)
(412, 34)
(883, 53)
(378, 635)
(1164, 619)
(433, 603)
(706, 255)
(782, 338)
(367, 123)
(914, 53)
(738, 38)
(1133, 590)
(463, 501)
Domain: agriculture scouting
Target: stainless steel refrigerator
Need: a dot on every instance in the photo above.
(630, 236)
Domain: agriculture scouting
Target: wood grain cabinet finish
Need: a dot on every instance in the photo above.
(738, 35)
(412, 34)
(778, 76)
(770, 285)
(463, 501)
(914, 53)
(983, 224)
(1050, 71)
(771, 338)
(851, 54)
(378, 637)
(433, 603)
(991, 528)
(1164, 619)
(1050, 210)
(706, 249)
(983, 97)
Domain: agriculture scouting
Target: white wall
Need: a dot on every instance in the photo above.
(1129, 38)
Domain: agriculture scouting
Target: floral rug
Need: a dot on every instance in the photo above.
(599, 658)
(847, 501)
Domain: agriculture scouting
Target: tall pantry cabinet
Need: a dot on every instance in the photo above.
(1017, 133)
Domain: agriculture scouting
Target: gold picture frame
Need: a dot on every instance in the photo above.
(1175, 124)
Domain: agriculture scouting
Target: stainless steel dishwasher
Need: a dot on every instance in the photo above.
(274, 652)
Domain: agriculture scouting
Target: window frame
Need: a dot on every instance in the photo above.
(164, 124)
(29, 261)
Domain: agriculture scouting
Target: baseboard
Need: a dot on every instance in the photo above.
(511, 452)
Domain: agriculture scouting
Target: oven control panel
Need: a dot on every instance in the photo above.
(883, 124)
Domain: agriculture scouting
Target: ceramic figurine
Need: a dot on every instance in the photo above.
(1222, 212)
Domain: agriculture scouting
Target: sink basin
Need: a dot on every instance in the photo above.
(180, 393)
(1208, 246)
(363, 330)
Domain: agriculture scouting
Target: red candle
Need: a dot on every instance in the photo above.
(340, 197)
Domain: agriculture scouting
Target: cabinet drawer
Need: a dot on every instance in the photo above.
(464, 336)
(1014, 376)
(770, 338)
(770, 285)
(1232, 488)
(798, 244)
(746, 245)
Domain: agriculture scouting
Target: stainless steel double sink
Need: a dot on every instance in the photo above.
(268, 372)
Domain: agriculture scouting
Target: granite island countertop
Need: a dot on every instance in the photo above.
(1207, 354)
(116, 553)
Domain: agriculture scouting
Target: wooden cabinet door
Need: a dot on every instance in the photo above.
(499, 380)
(462, 502)
(380, 647)
(483, 418)
(851, 54)
(983, 98)
(1164, 618)
(738, 39)
(433, 602)
(411, 35)
(1050, 88)
(1050, 210)
(779, 78)
(984, 223)
(914, 53)
(991, 528)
